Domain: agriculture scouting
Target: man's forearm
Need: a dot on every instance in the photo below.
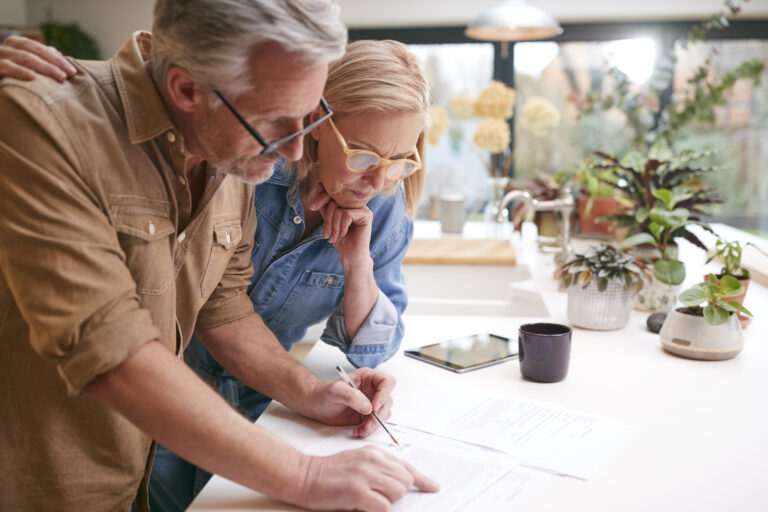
(249, 350)
(165, 399)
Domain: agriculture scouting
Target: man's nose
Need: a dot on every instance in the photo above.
(292, 150)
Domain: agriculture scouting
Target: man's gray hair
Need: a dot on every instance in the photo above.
(212, 39)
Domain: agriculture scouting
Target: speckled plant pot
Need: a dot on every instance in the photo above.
(692, 337)
(589, 308)
(657, 296)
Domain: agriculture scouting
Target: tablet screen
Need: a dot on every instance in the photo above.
(467, 353)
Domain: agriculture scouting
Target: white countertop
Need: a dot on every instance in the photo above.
(701, 438)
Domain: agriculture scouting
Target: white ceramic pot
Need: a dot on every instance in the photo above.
(691, 336)
(657, 296)
(589, 308)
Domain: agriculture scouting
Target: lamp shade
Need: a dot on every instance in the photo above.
(513, 20)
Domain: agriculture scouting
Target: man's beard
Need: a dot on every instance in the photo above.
(253, 170)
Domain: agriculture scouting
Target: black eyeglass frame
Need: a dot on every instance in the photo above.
(271, 147)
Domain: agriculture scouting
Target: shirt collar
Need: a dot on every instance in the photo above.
(145, 114)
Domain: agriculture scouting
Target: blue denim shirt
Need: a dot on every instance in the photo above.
(298, 283)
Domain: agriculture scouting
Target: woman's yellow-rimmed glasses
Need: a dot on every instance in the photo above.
(362, 161)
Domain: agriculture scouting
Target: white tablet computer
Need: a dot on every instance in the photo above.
(467, 353)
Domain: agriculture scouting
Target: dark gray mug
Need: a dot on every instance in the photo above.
(545, 350)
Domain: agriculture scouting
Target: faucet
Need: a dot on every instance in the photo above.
(562, 205)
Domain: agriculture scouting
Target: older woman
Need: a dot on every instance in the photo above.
(332, 232)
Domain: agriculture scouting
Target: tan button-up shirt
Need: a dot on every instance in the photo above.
(100, 252)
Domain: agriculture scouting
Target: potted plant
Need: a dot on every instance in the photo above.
(600, 283)
(729, 253)
(637, 176)
(667, 220)
(599, 203)
(711, 332)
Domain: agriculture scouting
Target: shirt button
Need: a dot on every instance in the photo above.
(297, 220)
(171, 137)
(182, 237)
(151, 228)
(330, 280)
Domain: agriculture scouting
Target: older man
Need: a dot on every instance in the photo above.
(127, 224)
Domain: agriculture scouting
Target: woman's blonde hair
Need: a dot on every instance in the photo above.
(371, 77)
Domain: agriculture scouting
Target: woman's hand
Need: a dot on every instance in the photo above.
(348, 229)
(25, 59)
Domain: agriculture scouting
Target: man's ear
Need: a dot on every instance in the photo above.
(184, 91)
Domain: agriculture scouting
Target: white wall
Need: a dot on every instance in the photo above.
(372, 13)
(110, 22)
(13, 13)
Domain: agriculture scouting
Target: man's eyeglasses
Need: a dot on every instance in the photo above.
(362, 161)
(271, 147)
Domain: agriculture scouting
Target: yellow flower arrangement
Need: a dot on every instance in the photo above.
(539, 116)
(438, 123)
(463, 106)
(493, 135)
(495, 101)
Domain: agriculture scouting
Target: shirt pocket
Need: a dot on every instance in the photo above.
(313, 299)
(145, 240)
(226, 238)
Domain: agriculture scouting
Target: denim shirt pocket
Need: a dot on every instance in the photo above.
(312, 299)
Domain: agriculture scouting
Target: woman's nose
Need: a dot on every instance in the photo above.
(378, 177)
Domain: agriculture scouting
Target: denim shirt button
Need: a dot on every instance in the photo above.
(297, 220)
(330, 281)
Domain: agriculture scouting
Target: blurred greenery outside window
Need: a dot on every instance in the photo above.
(740, 132)
(577, 63)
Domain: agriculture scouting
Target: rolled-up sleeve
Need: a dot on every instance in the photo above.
(59, 254)
(229, 300)
(379, 338)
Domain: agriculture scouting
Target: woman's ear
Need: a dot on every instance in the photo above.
(314, 116)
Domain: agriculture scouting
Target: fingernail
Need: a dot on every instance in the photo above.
(61, 77)
(72, 69)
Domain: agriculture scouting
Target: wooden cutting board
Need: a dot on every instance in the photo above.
(460, 251)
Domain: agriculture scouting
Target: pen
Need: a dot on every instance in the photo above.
(351, 384)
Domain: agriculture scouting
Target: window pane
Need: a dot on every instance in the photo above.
(455, 164)
(740, 133)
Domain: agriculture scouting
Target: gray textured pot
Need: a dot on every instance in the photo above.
(657, 296)
(691, 336)
(602, 311)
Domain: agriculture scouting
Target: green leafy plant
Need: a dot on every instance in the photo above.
(637, 177)
(668, 219)
(70, 40)
(714, 293)
(603, 264)
(730, 254)
(647, 115)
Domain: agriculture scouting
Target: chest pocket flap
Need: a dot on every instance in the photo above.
(228, 235)
(147, 226)
(226, 238)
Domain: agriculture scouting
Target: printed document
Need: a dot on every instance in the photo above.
(541, 435)
(470, 477)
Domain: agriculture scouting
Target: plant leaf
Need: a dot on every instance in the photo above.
(735, 306)
(693, 296)
(637, 239)
(665, 195)
(715, 315)
(669, 271)
(730, 286)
